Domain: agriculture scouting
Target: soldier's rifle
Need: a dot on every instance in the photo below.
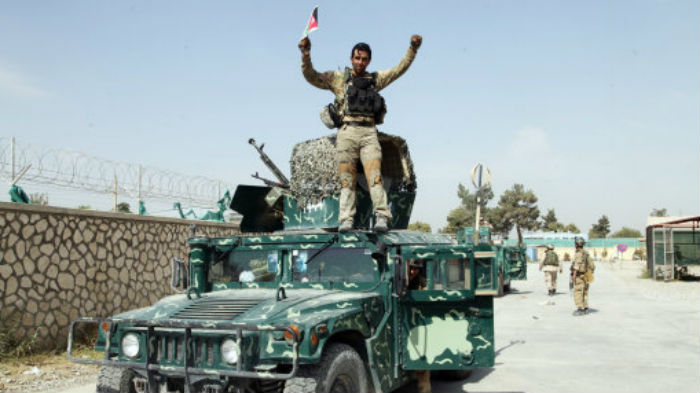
(282, 180)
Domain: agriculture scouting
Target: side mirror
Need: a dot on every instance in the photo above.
(399, 276)
(178, 275)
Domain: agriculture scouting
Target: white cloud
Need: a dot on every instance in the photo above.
(15, 85)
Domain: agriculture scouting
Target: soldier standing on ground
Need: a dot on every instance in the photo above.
(359, 109)
(550, 264)
(416, 280)
(581, 265)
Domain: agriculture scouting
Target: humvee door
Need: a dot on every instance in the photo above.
(516, 265)
(445, 326)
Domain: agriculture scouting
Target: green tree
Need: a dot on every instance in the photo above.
(465, 214)
(601, 229)
(627, 232)
(84, 207)
(550, 222)
(571, 228)
(658, 213)
(420, 226)
(516, 208)
(123, 207)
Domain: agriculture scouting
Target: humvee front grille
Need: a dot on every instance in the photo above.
(169, 350)
(216, 309)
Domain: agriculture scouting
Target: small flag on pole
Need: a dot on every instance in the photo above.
(313, 23)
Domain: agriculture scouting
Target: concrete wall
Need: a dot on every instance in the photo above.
(57, 264)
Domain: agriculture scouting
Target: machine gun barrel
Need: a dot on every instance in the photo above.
(284, 182)
(269, 182)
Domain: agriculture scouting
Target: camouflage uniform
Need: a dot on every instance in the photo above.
(550, 264)
(357, 137)
(581, 264)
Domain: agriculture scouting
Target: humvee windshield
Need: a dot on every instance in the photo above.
(245, 266)
(333, 264)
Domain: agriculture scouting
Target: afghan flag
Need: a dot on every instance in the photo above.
(313, 23)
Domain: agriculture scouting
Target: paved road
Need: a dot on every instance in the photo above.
(642, 337)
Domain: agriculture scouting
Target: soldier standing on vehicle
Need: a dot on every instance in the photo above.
(551, 264)
(416, 280)
(357, 109)
(582, 269)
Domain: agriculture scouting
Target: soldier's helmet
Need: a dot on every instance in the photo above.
(579, 241)
(550, 246)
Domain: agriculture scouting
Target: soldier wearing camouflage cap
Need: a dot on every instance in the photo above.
(581, 273)
(357, 109)
(550, 263)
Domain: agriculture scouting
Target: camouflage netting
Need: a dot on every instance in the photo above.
(315, 173)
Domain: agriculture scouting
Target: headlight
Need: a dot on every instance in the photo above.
(130, 345)
(229, 351)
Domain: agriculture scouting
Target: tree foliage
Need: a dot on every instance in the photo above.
(659, 212)
(601, 229)
(420, 226)
(123, 207)
(550, 222)
(627, 232)
(517, 208)
(571, 228)
(465, 214)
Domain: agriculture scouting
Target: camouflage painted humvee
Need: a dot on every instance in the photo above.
(496, 265)
(302, 309)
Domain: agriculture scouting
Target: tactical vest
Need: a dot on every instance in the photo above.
(362, 97)
(551, 259)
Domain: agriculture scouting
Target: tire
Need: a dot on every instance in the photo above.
(341, 370)
(115, 380)
(500, 284)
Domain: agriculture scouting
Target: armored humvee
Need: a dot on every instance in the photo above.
(497, 264)
(303, 309)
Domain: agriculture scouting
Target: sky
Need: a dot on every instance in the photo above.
(594, 106)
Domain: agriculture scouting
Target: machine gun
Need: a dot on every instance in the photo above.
(282, 180)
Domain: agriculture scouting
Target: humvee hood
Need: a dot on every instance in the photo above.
(251, 306)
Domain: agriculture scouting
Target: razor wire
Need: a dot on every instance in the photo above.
(76, 170)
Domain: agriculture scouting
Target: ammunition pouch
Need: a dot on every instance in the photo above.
(362, 98)
(330, 116)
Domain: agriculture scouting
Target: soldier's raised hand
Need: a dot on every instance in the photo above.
(305, 44)
(416, 40)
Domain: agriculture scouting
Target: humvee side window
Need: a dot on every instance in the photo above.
(455, 274)
(333, 264)
(245, 266)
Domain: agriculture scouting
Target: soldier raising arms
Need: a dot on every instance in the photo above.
(359, 109)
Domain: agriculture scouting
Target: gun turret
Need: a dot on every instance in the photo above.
(283, 181)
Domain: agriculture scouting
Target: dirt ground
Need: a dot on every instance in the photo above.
(45, 373)
(642, 336)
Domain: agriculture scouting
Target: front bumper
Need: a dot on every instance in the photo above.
(191, 373)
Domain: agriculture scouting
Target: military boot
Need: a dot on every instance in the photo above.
(382, 224)
(345, 226)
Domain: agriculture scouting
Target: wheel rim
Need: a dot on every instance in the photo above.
(343, 384)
